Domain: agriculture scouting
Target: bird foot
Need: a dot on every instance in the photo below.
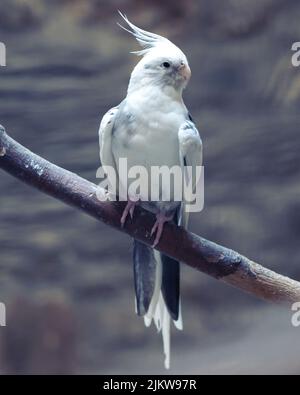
(129, 209)
(158, 227)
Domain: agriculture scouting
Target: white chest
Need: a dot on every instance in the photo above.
(146, 132)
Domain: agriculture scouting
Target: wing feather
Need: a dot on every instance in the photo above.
(191, 154)
(105, 137)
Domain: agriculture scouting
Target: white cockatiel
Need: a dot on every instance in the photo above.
(152, 127)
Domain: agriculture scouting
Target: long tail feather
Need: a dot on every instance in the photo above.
(159, 312)
(157, 292)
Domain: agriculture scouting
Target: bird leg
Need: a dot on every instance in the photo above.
(158, 227)
(129, 209)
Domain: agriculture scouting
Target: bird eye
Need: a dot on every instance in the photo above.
(166, 65)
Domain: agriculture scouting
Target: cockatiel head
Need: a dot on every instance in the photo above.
(163, 63)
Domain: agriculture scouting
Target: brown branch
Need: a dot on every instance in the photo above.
(203, 255)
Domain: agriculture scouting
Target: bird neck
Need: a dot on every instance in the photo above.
(149, 87)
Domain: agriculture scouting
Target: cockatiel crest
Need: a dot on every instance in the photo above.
(157, 47)
(147, 40)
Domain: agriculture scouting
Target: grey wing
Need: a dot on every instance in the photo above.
(105, 137)
(191, 154)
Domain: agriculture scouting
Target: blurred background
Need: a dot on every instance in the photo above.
(66, 279)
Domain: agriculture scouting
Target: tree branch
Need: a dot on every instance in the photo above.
(203, 255)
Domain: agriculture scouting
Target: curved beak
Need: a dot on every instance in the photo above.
(185, 71)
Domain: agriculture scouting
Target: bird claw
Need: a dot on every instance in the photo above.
(155, 226)
(158, 227)
(129, 209)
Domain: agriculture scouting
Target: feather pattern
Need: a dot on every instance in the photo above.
(146, 39)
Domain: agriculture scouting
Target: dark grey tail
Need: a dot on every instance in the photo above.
(145, 275)
(171, 285)
(144, 268)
